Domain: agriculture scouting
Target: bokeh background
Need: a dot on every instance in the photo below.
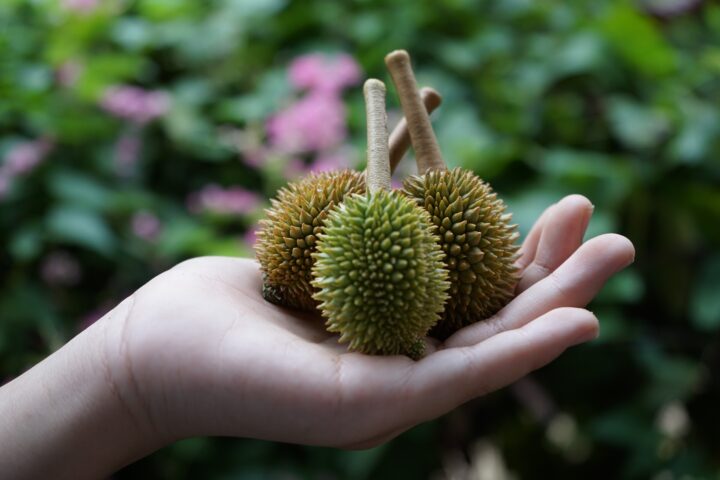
(135, 134)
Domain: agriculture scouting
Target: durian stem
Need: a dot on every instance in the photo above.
(378, 160)
(422, 136)
(400, 137)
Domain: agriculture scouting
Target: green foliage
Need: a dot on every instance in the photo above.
(542, 99)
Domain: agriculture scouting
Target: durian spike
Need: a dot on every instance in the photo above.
(425, 144)
(400, 138)
(378, 160)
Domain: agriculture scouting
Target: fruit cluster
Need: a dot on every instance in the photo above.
(388, 267)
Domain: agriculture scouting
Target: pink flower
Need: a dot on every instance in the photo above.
(127, 151)
(135, 104)
(60, 269)
(314, 123)
(255, 157)
(328, 162)
(81, 6)
(4, 184)
(68, 73)
(251, 236)
(670, 8)
(145, 225)
(215, 199)
(318, 72)
(24, 157)
(294, 168)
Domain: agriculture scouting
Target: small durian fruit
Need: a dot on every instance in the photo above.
(287, 236)
(378, 268)
(474, 231)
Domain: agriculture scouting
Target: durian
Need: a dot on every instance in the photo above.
(477, 239)
(287, 236)
(378, 268)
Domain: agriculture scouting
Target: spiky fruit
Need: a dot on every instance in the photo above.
(380, 274)
(288, 235)
(477, 239)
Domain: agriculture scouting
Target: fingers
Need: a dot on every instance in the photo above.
(560, 234)
(573, 284)
(239, 273)
(529, 246)
(450, 377)
(391, 399)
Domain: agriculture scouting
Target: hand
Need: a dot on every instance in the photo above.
(201, 353)
(197, 351)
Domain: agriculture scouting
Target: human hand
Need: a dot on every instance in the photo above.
(199, 352)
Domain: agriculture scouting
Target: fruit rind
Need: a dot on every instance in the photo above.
(288, 234)
(379, 274)
(478, 241)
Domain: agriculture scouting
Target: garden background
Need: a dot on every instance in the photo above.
(135, 134)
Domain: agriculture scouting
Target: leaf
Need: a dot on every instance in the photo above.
(358, 465)
(80, 226)
(26, 244)
(637, 41)
(609, 177)
(75, 188)
(133, 33)
(258, 105)
(636, 125)
(580, 53)
(624, 287)
(105, 70)
(700, 128)
(671, 377)
(467, 142)
(705, 301)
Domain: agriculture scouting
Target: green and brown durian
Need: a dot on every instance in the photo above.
(378, 267)
(478, 241)
(287, 236)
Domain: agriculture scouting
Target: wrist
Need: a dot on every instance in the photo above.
(69, 416)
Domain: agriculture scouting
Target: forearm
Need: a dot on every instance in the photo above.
(64, 417)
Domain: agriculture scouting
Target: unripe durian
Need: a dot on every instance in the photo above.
(473, 230)
(380, 274)
(378, 267)
(287, 235)
(477, 239)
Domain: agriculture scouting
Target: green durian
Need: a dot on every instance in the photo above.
(473, 229)
(380, 274)
(378, 267)
(288, 235)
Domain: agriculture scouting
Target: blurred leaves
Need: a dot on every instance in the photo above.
(648, 52)
(82, 227)
(610, 99)
(705, 306)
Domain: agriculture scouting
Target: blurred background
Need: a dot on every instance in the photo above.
(135, 134)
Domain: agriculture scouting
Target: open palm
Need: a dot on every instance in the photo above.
(197, 351)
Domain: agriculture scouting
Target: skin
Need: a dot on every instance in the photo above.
(197, 351)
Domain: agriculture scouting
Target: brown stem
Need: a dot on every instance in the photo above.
(378, 161)
(425, 144)
(400, 137)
